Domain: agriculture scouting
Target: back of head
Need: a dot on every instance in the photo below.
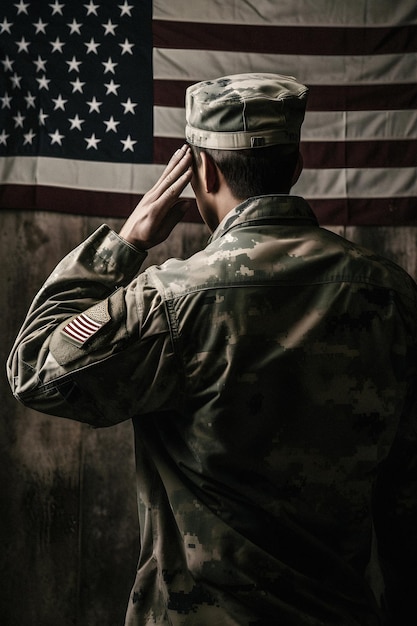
(250, 125)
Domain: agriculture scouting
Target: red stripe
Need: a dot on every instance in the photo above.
(359, 154)
(273, 39)
(170, 93)
(85, 324)
(68, 331)
(366, 212)
(82, 328)
(362, 97)
(74, 332)
(369, 212)
(330, 154)
(63, 200)
(71, 332)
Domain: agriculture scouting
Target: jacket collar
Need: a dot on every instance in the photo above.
(276, 209)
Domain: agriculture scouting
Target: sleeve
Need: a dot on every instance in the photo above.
(95, 345)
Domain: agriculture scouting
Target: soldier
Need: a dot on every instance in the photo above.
(270, 379)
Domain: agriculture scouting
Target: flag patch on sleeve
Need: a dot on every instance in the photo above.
(85, 325)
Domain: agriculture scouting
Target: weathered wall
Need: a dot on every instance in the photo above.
(68, 526)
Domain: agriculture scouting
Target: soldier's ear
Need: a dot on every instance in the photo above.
(209, 173)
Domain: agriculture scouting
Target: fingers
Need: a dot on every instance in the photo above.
(172, 187)
(179, 162)
(177, 157)
(177, 175)
(161, 208)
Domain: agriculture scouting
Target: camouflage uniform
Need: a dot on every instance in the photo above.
(271, 382)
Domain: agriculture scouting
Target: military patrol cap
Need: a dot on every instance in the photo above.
(245, 111)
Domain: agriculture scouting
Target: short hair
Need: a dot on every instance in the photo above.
(255, 171)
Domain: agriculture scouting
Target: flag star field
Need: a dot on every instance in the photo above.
(76, 80)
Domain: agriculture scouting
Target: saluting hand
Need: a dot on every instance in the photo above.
(161, 207)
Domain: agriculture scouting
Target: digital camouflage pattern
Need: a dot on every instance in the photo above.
(271, 382)
(245, 111)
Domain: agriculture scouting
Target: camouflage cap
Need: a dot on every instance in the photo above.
(245, 111)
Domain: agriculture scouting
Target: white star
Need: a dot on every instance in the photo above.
(111, 124)
(7, 64)
(42, 117)
(126, 47)
(5, 27)
(57, 45)
(43, 83)
(109, 28)
(91, 8)
(56, 7)
(22, 7)
(92, 46)
(59, 103)
(30, 100)
(128, 143)
(112, 87)
(16, 81)
(6, 99)
(73, 65)
(77, 85)
(19, 119)
(125, 8)
(29, 137)
(92, 142)
(75, 27)
(76, 122)
(3, 137)
(129, 106)
(40, 64)
(94, 105)
(40, 26)
(23, 45)
(109, 65)
(56, 137)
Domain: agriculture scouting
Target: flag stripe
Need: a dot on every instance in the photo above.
(314, 182)
(82, 328)
(358, 183)
(105, 176)
(322, 155)
(318, 125)
(296, 40)
(381, 97)
(50, 197)
(175, 64)
(361, 154)
(383, 211)
(290, 12)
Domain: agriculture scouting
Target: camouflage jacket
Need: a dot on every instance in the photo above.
(270, 379)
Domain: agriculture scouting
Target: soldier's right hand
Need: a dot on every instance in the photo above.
(161, 208)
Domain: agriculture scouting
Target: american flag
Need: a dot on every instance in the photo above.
(92, 97)
(82, 328)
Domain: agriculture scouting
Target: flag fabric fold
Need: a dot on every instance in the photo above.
(92, 97)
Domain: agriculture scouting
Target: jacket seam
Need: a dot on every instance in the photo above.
(168, 296)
